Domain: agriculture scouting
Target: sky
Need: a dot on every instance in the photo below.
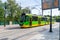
(37, 10)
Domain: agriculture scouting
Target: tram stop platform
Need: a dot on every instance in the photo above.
(46, 35)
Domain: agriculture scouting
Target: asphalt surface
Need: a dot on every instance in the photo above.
(46, 35)
(16, 33)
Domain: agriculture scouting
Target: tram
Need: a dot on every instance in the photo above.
(29, 20)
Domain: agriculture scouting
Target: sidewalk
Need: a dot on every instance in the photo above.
(8, 26)
(46, 35)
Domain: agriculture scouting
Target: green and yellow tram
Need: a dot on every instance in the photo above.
(29, 20)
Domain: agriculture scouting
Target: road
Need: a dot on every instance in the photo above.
(16, 33)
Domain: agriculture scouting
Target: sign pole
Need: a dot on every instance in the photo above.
(42, 6)
(51, 16)
(50, 22)
(59, 13)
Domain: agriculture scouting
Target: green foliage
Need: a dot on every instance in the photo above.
(13, 10)
(1, 11)
(58, 18)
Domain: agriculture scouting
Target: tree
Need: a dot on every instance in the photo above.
(14, 10)
(1, 11)
(1, 14)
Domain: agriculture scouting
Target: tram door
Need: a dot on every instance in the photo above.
(34, 21)
(27, 21)
(43, 21)
(24, 20)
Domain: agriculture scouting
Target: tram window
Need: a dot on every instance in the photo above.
(27, 18)
(22, 18)
(43, 19)
(34, 18)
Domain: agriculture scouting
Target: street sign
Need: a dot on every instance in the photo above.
(46, 4)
